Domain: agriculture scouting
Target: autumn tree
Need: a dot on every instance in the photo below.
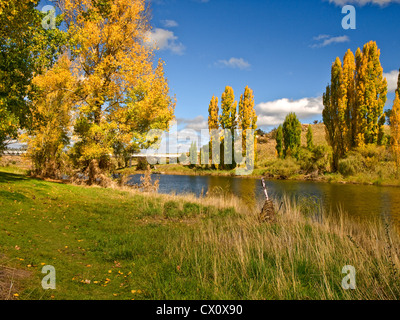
(228, 121)
(117, 81)
(354, 100)
(247, 120)
(371, 91)
(49, 133)
(279, 141)
(398, 84)
(291, 135)
(213, 126)
(347, 101)
(395, 129)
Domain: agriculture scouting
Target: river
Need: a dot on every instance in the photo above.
(361, 201)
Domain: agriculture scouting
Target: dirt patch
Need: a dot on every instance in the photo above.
(9, 281)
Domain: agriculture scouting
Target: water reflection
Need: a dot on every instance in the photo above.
(358, 200)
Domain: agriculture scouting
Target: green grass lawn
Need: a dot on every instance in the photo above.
(115, 240)
(116, 244)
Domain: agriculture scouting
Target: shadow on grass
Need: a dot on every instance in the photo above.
(11, 177)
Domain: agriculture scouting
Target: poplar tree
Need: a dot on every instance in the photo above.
(398, 84)
(228, 109)
(228, 121)
(291, 135)
(353, 102)
(247, 117)
(371, 92)
(330, 114)
(213, 124)
(360, 106)
(395, 129)
(347, 100)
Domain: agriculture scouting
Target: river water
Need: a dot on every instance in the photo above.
(361, 201)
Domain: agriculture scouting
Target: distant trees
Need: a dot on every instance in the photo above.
(233, 116)
(288, 137)
(354, 101)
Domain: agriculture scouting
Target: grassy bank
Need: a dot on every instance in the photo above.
(120, 244)
(369, 165)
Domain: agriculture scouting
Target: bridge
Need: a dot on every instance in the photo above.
(156, 155)
(14, 152)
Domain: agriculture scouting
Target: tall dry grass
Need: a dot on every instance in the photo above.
(299, 257)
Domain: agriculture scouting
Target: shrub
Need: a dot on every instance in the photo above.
(284, 167)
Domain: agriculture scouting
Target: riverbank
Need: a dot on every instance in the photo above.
(258, 173)
(121, 244)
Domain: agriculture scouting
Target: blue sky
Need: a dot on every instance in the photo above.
(282, 49)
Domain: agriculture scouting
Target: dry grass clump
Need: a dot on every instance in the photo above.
(298, 257)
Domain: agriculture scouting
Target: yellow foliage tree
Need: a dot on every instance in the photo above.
(395, 129)
(247, 118)
(52, 115)
(213, 125)
(117, 81)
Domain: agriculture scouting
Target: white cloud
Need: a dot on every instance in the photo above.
(234, 63)
(169, 23)
(328, 40)
(165, 40)
(363, 2)
(197, 123)
(273, 113)
(392, 78)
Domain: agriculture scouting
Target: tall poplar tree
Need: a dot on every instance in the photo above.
(398, 84)
(247, 118)
(228, 121)
(347, 100)
(371, 93)
(213, 125)
(395, 129)
(213, 111)
(291, 135)
(330, 114)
